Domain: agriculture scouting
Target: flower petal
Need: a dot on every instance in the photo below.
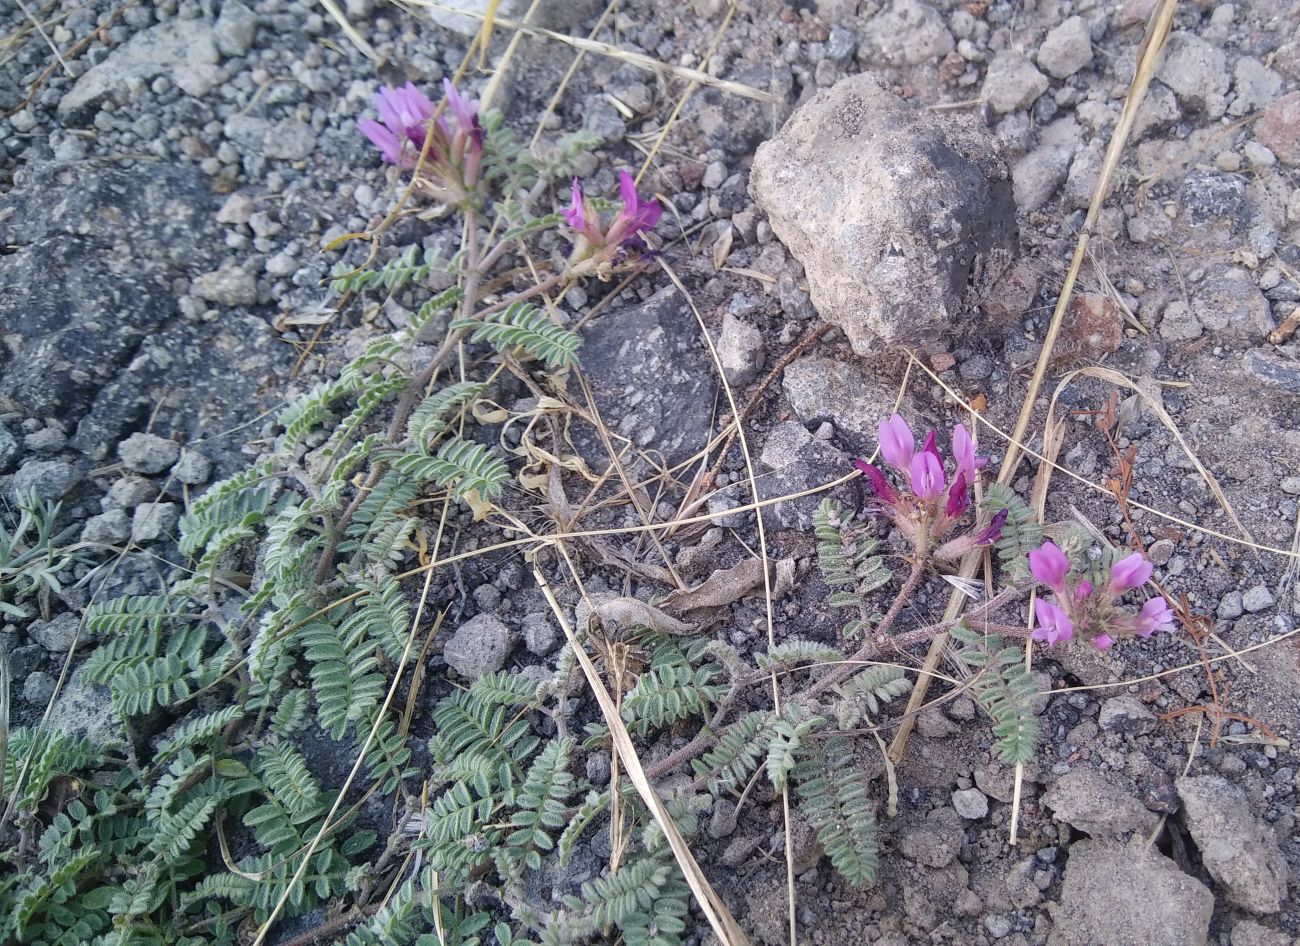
(897, 443)
(884, 492)
(927, 476)
(1131, 571)
(1048, 564)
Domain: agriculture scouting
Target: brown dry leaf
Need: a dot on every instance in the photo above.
(615, 611)
(728, 585)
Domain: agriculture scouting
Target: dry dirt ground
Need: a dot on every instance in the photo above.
(1146, 797)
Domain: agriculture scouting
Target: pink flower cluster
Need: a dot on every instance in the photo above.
(454, 155)
(605, 244)
(928, 511)
(1088, 606)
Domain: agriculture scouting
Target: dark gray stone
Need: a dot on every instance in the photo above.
(479, 646)
(86, 250)
(652, 377)
(47, 479)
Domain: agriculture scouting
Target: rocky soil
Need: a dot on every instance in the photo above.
(168, 191)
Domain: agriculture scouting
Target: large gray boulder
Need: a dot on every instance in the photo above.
(896, 214)
(1117, 893)
(1240, 852)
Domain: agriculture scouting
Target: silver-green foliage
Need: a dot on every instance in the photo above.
(1004, 689)
(846, 556)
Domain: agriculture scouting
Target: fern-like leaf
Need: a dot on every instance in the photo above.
(833, 797)
(1021, 533)
(729, 764)
(523, 325)
(1005, 690)
(668, 694)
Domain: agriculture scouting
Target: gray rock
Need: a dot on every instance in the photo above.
(156, 51)
(1254, 85)
(38, 687)
(235, 29)
(843, 392)
(1161, 551)
(732, 123)
(1291, 485)
(1231, 606)
(197, 80)
(86, 709)
(647, 368)
(1179, 324)
(1126, 714)
(799, 461)
(1273, 369)
(722, 822)
(56, 635)
(25, 660)
(1158, 111)
(148, 453)
(1250, 933)
(69, 351)
(1036, 176)
(1012, 83)
(1240, 853)
(559, 15)
(997, 925)
(1257, 599)
(47, 479)
(1197, 71)
(540, 636)
(237, 209)
(229, 286)
(129, 492)
(1067, 48)
(887, 208)
(1229, 303)
(740, 351)
(8, 449)
(153, 521)
(108, 528)
(906, 33)
(1098, 804)
(289, 141)
(46, 440)
(1117, 893)
(970, 803)
(479, 646)
(193, 468)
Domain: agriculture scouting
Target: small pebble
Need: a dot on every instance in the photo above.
(1257, 599)
(970, 803)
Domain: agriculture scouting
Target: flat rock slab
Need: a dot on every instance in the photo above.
(893, 212)
(1240, 852)
(1115, 893)
(653, 379)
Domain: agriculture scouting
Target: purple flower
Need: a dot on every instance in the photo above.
(958, 498)
(993, 531)
(389, 145)
(575, 215)
(404, 110)
(1131, 571)
(636, 215)
(1053, 624)
(1048, 564)
(884, 492)
(1155, 615)
(963, 453)
(927, 476)
(466, 111)
(1083, 590)
(1102, 641)
(932, 446)
(897, 443)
